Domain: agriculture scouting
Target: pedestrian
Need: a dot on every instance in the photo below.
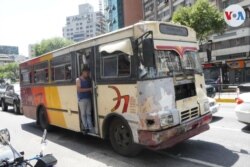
(84, 93)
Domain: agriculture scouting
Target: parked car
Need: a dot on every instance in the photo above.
(243, 108)
(214, 83)
(244, 88)
(10, 96)
(213, 106)
(211, 91)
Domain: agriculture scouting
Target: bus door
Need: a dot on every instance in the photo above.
(84, 58)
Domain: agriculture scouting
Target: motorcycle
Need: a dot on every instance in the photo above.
(10, 157)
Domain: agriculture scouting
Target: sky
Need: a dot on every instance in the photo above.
(24, 22)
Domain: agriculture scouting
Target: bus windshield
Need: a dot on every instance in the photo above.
(169, 63)
(191, 62)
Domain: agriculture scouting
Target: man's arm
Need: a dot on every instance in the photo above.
(79, 89)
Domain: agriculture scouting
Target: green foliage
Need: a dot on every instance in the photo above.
(9, 71)
(203, 17)
(48, 45)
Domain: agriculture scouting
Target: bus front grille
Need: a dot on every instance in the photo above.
(189, 114)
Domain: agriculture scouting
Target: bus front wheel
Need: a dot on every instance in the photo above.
(121, 138)
(43, 119)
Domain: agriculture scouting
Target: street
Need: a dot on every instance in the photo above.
(227, 143)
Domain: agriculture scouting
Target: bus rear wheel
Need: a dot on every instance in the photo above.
(43, 119)
(121, 138)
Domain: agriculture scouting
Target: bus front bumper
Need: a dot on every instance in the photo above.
(169, 137)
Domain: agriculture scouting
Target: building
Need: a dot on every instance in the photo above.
(8, 54)
(5, 59)
(162, 10)
(85, 25)
(32, 52)
(9, 50)
(122, 13)
(20, 58)
(230, 51)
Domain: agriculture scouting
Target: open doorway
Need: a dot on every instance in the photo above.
(84, 61)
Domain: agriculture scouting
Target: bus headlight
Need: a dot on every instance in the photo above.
(166, 120)
(206, 106)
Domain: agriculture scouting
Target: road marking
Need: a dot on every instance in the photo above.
(230, 129)
(195, 161)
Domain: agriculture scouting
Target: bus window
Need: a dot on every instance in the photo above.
(61, 69)
(116, 65)
(84, 59)
(26, 76)
(123, 65)
(41, 74)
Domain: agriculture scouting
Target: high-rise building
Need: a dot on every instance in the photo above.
(122, 13)
(9, 50)
(85, 25)
(162, 10)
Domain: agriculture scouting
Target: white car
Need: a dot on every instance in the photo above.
(213, 106)
(243, 108)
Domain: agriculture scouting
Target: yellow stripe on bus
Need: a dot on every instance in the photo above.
(53, 101)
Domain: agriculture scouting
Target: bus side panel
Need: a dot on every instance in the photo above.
(62, 106)
(120, 99)
(53, 106)
(28, 106)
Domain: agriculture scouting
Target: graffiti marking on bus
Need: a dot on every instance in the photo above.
(118, 99)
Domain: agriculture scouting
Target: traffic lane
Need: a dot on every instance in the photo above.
(225, 144)
(75, 149)
(101, 150)
(207, 149)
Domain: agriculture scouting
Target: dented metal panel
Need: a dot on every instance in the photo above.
(155, 99)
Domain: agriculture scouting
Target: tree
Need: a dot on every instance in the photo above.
(9, 71)
(51, 44)
(203, 17)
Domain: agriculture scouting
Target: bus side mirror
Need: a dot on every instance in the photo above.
(148, 52)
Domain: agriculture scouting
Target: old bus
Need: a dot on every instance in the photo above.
(148, 86)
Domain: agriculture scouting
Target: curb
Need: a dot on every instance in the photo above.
(219, 100)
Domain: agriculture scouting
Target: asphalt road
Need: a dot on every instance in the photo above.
(227, 143)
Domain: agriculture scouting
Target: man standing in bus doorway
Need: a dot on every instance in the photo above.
(84, 93)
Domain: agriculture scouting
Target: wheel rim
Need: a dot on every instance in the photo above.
(122, 136)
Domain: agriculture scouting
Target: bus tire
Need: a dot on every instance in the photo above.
(121, 138)
(4, 106)
(43, 119)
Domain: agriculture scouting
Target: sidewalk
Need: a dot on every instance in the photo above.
(226, 97)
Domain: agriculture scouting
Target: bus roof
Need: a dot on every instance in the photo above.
(131, 27)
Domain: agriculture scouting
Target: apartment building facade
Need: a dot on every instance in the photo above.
(86, 24)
